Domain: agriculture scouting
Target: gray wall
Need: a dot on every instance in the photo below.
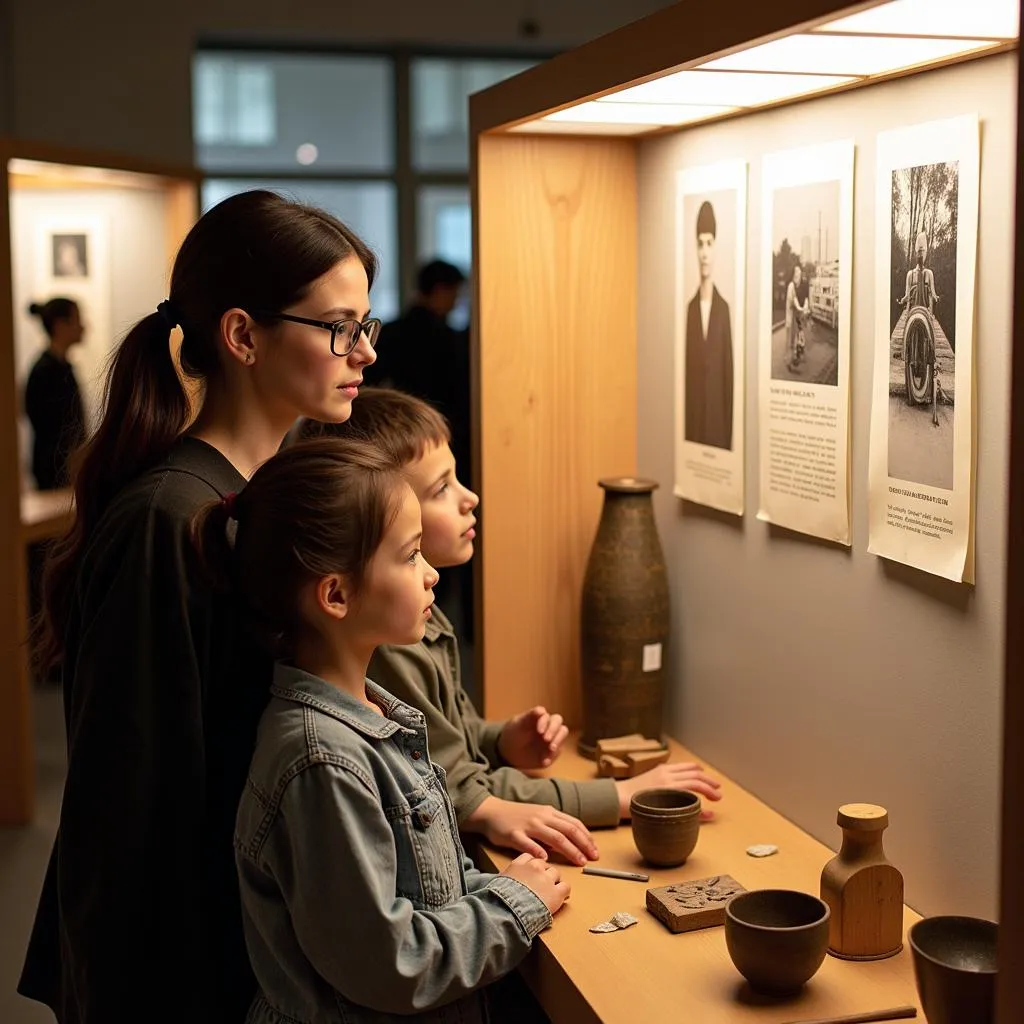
(114, 74)
(811, 674)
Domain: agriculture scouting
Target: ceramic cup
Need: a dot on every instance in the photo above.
(666, 824)
(777, 938)
(955, 968)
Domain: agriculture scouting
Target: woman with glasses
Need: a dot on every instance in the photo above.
(139, 916)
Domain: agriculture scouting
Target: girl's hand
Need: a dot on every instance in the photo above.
(543, 879)
(682, 775)
(533, 739)
(527, 826)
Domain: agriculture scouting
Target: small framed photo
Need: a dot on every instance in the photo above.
(70, 255)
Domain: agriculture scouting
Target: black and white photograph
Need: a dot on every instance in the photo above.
(70, 255)
(922, 323)
(710, 332)
(921, 458)
(709, 279)
(805, 283)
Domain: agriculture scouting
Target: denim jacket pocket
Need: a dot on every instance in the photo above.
(436, 876)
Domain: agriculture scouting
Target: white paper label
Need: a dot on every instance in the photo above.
(652, 657)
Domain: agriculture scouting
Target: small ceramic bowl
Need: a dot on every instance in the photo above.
(777, 938)
(666, 824)
(955, 968)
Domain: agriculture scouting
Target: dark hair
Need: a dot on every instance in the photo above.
(706, 220)
(438, 274)
(253, 250)
(51, 312)
(316, 508)
(397, 424)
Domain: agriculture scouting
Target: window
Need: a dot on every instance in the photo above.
(333, 129)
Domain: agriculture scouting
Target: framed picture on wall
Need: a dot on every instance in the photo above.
(70, 255)
(711, 256)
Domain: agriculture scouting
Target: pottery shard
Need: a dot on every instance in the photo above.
(643, 760)
(611, 767)
(686, 906)
(762, 850)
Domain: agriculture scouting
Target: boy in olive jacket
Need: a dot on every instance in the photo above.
(483, 760)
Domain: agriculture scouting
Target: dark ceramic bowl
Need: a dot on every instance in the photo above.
(777, 938)
(671, 803)
(955, 968)
(666, 824)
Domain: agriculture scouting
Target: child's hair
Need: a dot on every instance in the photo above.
(255, 250)
(401, 426)
(51, 312)
(314, 509)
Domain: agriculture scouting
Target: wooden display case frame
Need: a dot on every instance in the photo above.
(555, 375)
(31, 517)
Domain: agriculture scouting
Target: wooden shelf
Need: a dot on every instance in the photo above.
(646, 973)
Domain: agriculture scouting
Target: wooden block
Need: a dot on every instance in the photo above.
(611, 767)
(643, 760)
(687, 906)
(619, 746)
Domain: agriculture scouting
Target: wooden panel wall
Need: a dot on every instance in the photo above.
(555, 373)
(16, 749)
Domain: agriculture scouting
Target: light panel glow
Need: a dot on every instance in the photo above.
(965, 19)
(545, 127)
(897, 36)
(849, 55)
(728, 88)
(613, 111)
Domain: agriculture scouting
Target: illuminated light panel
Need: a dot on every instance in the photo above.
(964, 19)
(580, 128)
(727, 88)
(851, 55)
(613, 111)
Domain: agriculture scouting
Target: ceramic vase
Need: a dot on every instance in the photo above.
(624, 619)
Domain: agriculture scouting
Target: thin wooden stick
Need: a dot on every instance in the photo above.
(896, 1013)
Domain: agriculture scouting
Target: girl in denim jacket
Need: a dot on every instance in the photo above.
(358, 902)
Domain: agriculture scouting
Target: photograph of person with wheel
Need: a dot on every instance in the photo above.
(922, 342)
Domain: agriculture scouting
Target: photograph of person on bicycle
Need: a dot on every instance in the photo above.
(797, 313)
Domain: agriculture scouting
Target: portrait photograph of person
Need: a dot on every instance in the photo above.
(70, 255)
(709, 277)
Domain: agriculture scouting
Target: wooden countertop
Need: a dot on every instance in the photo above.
(646, 975)
(44, 514)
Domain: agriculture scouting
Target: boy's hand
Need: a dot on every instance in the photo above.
(541, 878)
(682, 775)
(526, 826)
(533, 739)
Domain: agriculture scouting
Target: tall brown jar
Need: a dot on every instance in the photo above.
(624, 618)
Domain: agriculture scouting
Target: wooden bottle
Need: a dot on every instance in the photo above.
(863, 890)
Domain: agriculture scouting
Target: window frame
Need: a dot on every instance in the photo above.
(406, 179)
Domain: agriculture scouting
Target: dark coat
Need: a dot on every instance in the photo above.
(709, 374)
(139, 917)
(53, 406)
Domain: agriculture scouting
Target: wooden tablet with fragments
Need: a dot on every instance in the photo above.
(686, 906)
(622, 757)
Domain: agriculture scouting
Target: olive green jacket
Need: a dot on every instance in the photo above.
(427, 676)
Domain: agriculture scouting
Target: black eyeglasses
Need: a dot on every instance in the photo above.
(345, 334)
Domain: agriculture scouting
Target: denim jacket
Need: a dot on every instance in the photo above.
(358, 902)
